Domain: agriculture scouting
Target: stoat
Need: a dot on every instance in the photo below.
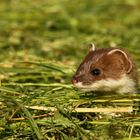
(107, 69)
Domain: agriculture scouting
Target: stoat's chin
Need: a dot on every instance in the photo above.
(122, 85)
(83, 87)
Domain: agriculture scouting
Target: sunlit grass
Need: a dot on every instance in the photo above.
(41, 44)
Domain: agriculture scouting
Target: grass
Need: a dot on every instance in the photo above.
(41, 44)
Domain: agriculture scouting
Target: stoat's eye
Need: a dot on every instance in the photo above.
(95, 72)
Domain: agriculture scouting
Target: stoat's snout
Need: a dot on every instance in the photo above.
(108, 69)
(74, 81)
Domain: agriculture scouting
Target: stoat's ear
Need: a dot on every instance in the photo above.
(91, 47)
(124, 57)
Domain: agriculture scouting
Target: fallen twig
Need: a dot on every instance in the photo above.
(84, 110)
(39, 116)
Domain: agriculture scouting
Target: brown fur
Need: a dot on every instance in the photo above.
(112, 66)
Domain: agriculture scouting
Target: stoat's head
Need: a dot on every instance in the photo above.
(105, 70)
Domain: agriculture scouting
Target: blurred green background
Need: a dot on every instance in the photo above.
(59, 30)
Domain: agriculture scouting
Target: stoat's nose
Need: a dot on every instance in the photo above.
(74, 81)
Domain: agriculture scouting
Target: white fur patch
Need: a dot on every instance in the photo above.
(123, 85)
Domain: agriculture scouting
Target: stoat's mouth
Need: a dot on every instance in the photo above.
(80, 86)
